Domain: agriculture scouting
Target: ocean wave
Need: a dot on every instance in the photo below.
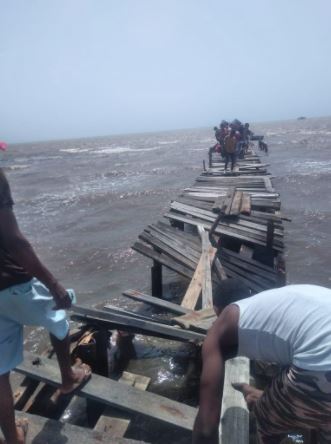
(167, 142)
(311, 166)
(122, 149)
(75, 150)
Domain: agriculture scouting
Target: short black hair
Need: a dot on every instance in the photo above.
(228, 291)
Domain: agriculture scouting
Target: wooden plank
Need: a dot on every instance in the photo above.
(219, 269)
(114, 426)
(234, 424)
(122, 311)
(194, 289)
(209, 253)
(246, 251)
(226, 208)
(246, 204)
(222, 230)
(48, 431)
(164, 260)
(182, 243)
(115, 394)
(169, 248)
(218, 205)
(236, 203)
(161, 303)
(195, 318)
(240, 224)
(257, 264)
(111, 321)
(250, 284)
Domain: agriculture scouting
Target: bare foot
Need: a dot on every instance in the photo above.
(22, 426)
(251, 394)
(81, 373)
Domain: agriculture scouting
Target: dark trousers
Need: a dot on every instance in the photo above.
(228, 157)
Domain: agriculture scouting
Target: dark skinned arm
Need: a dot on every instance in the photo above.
(19, 248)
(221, 341)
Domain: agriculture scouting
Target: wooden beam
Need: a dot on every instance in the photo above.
(156, 278)
(234, 425)
(161, 303)
(194, 289)
(44, 430)
(111, 424)
(116, 394)
(126, 323)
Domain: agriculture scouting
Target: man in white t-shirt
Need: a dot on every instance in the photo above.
(289, 326)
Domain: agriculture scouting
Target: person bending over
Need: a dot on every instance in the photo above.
(289, 326)
(29, 295)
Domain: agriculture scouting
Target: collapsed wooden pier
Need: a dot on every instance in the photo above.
(226, 225)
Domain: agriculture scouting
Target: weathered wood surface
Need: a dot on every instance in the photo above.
(208, 252)
(48, 431)
(234, 425)
(109, 308)
(194, 289)
(200, 320)
(161, 303)
(109, 422)
(112, 320)
(113, 393)
(232, 231)
(163, 259)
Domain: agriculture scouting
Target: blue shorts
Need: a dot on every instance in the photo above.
(26, 304)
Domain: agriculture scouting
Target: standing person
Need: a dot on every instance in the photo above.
(230, 144)
(29, 295)
(217, 134)
(289, 326)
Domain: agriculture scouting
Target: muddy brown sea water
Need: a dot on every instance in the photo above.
(82, 203)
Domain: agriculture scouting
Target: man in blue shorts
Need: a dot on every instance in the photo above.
(29, 295)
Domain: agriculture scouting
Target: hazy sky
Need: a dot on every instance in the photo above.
(72, 68)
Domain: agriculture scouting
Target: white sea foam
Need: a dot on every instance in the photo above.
(312, 166)
(75, 150)
(167, 142)
(121, 149)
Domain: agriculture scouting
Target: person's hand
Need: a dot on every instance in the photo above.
(60, 296)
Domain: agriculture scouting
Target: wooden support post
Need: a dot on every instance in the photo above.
(204, 165)
(210, 158)
(156, 272)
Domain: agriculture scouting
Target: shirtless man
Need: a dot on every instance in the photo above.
(29, 295)
(289, 326)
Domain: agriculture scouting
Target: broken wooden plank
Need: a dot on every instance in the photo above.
(168, 248)
(115, 394)
(161, 303)
(194, 289)
(49, 431)
(126, 323)
(195, 318)
(111, 424)
(232, 232)
(164, 260)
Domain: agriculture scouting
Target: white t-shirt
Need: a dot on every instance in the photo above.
(288, 325)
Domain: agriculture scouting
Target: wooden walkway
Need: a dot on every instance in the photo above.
(223, 226)
(226, 225)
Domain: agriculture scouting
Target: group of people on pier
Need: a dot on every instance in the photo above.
(289, 326)
(232, 141)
